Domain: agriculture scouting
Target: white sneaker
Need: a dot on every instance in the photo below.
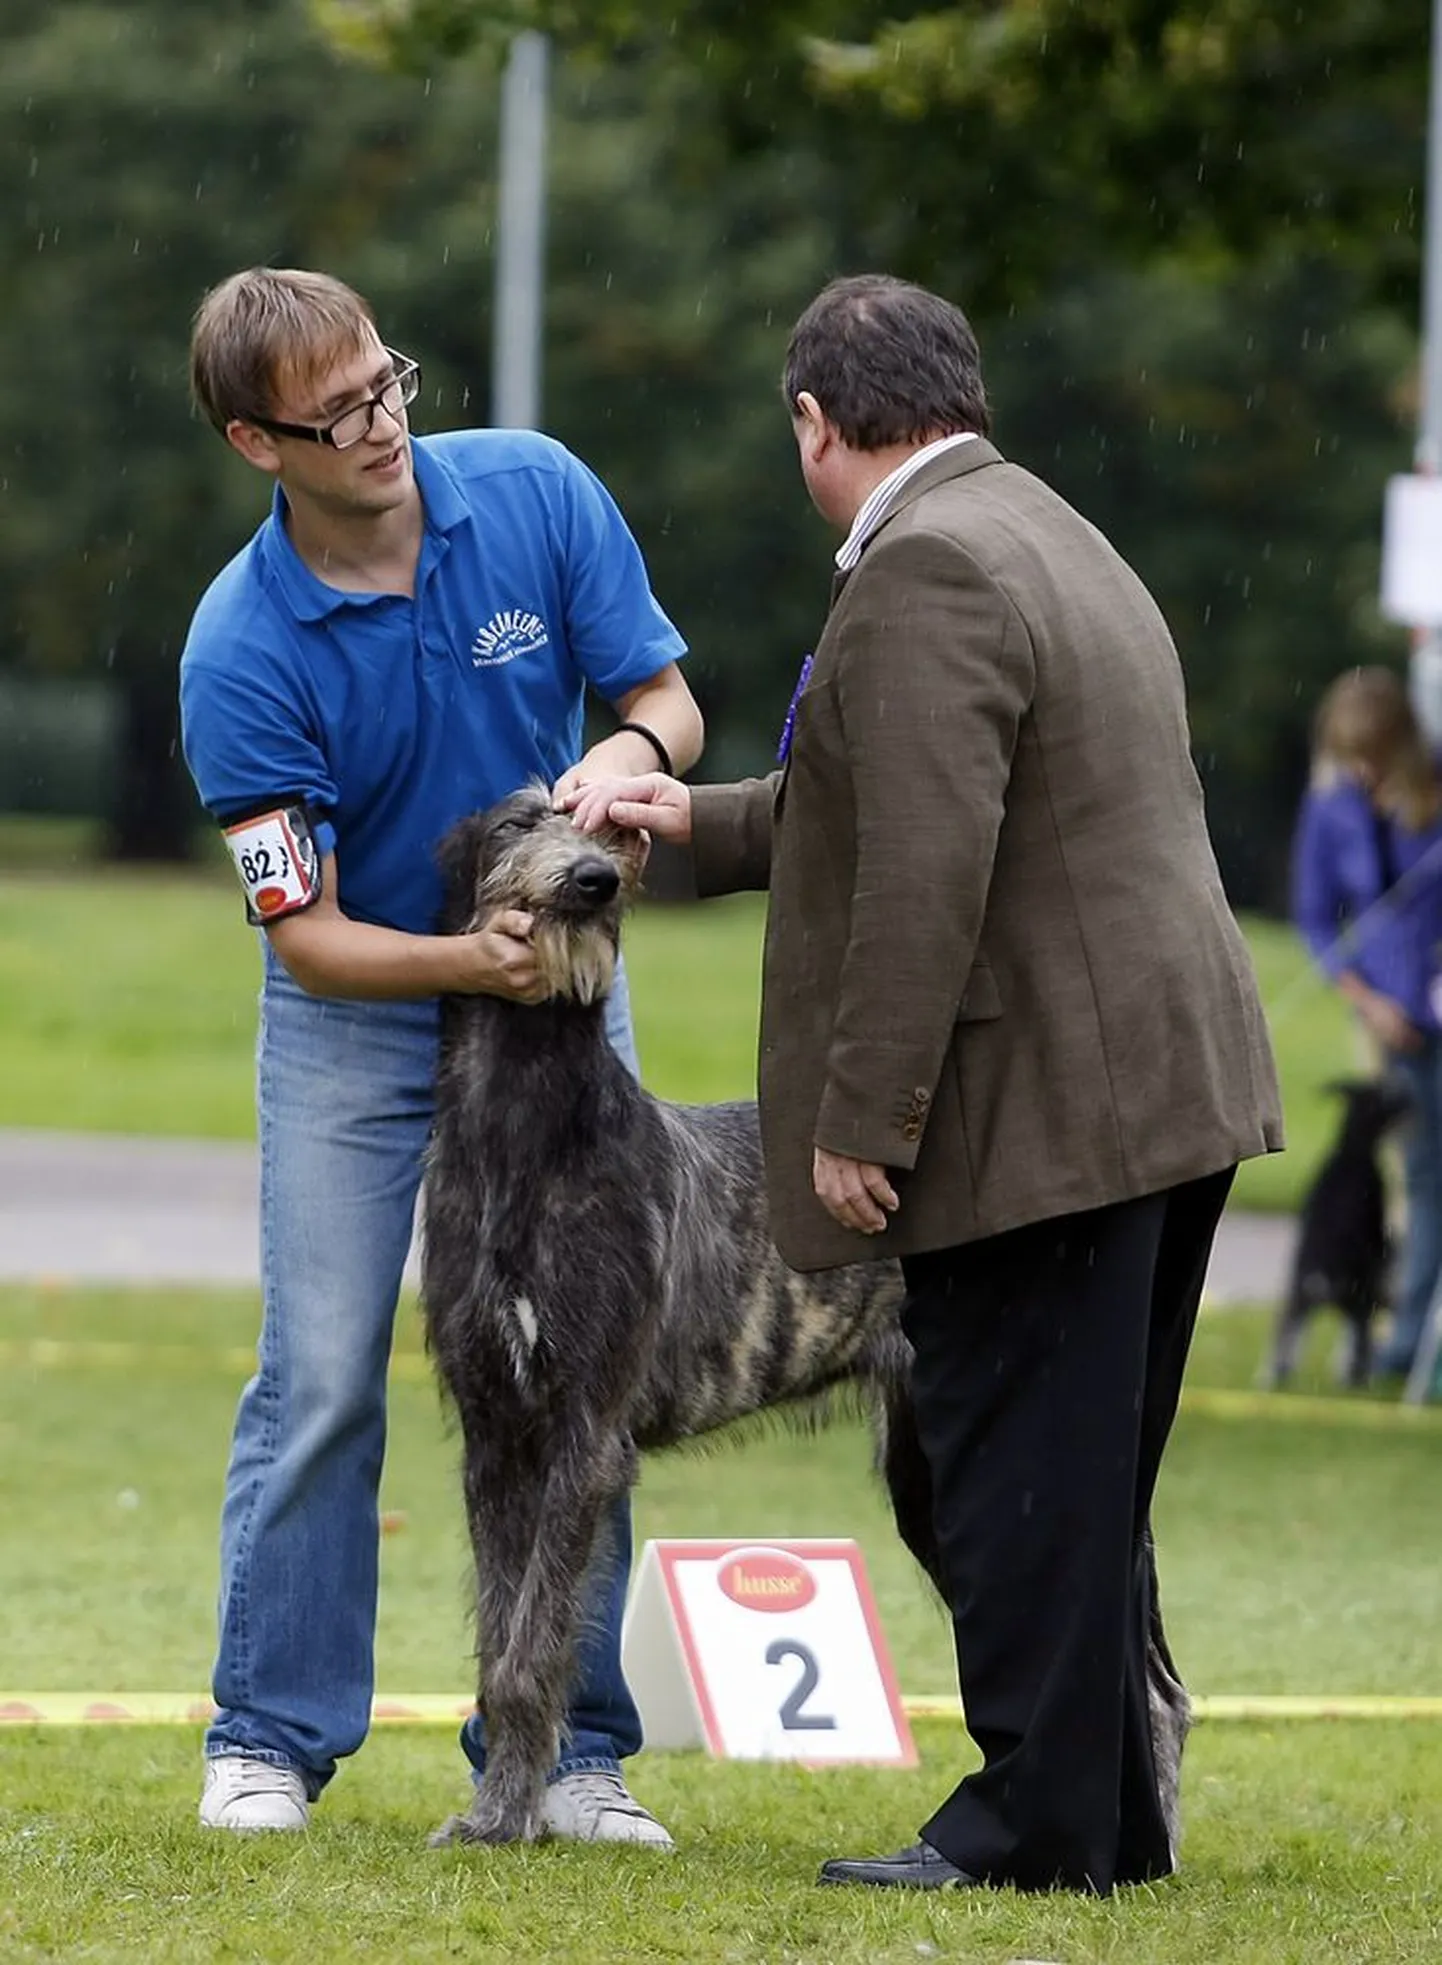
(594, 1805)
(244, 1793)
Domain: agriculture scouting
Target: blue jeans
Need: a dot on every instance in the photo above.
(344, 1098)
(1421, 1141)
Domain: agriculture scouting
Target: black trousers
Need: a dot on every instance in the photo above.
(1048, 1368)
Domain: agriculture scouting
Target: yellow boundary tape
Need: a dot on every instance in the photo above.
(1348, 1412)
(450, 1708)
(1252, 1707)
(69, 1354)
(440, 1708)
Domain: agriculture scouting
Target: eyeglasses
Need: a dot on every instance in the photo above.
(352, 426)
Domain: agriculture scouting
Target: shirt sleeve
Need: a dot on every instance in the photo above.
(618, 633)
(246, 744)
(1321, 902)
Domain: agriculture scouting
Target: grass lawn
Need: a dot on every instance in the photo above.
(127, 1004)
(1300, 1850)
(1298, 1554)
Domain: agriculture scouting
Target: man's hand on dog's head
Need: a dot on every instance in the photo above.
(655, 804)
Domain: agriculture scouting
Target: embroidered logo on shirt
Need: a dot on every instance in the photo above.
(514, 631)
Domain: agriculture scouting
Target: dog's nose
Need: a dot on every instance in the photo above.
(595, 880)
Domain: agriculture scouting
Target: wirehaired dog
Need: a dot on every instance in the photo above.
(1343, 1246)
(598, 1278)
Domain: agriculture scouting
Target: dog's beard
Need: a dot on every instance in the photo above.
(577, 958)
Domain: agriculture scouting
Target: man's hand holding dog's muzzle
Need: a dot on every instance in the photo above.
(501, 960)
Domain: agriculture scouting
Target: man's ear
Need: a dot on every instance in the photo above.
(254, 445)
(814, 430)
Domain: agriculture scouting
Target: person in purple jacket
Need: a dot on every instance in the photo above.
(1367, 897)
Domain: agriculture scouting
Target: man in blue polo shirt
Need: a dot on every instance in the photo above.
(408, 637)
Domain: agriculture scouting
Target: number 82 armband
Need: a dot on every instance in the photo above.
(276, 856)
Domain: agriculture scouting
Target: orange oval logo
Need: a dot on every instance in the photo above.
(767, 1579)
(268, 899)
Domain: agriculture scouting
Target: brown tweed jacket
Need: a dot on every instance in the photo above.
(998, 958)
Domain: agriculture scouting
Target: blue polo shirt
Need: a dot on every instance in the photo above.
(391, 716)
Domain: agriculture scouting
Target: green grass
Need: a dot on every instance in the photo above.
(1315, 1040)
(1304, 1846)
(127, 1004)
(1298, 1554)
(47, 845)
(1297, 1557)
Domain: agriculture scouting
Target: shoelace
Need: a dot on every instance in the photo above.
(607, 1794)
(260, 1774)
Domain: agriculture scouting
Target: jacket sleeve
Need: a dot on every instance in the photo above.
(731, 835)
(935, 671)
(1320, 906)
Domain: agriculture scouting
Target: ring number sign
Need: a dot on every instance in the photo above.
(762, 1651)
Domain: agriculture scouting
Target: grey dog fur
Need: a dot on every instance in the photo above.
(598, 1278)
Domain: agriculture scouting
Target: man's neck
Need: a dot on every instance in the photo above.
(869, 467)
(362, 552)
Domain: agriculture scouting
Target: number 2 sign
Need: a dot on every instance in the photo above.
(762, 1651)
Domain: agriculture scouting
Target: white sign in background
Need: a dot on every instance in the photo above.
(1412, 551)
(762, 1651)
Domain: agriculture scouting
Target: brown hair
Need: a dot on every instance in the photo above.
(265, 323)
(1366, 719)
(888, 362)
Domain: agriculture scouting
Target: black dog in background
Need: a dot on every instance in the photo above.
(1343, 1248)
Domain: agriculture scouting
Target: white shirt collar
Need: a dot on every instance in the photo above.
(875, 509)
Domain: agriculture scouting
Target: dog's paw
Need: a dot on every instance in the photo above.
(478, 1826)
(450, 1830)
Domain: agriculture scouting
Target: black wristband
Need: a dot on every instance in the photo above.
(655, 742)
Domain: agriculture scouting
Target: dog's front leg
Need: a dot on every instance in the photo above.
(503, 1482)
(531, 1574)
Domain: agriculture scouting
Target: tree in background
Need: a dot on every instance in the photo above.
(1188, 233)
(151, 149)
(1218, 382)
(1008, 141)
(158, 149)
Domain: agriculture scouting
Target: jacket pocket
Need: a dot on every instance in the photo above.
(981, 999)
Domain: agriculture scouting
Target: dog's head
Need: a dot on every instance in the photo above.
(576, 886)
(1372, 1107)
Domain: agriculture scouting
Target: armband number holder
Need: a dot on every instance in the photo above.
(276, 857)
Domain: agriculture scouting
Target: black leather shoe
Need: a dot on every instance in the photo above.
(919, 1868)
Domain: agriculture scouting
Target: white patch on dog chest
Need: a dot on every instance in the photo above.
(524, 1312)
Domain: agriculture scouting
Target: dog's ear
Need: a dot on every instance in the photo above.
(459, 859)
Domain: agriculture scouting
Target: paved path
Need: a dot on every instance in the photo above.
(95, 1208)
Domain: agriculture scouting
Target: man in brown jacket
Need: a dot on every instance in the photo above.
(1010, 1034)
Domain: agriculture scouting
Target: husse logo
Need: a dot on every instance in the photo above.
(514, 631)
(767, 1579)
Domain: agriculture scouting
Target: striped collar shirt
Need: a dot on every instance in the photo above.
(878, 505)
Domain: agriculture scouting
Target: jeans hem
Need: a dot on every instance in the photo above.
(592, 1763)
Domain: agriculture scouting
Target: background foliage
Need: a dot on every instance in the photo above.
(1188, 235)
